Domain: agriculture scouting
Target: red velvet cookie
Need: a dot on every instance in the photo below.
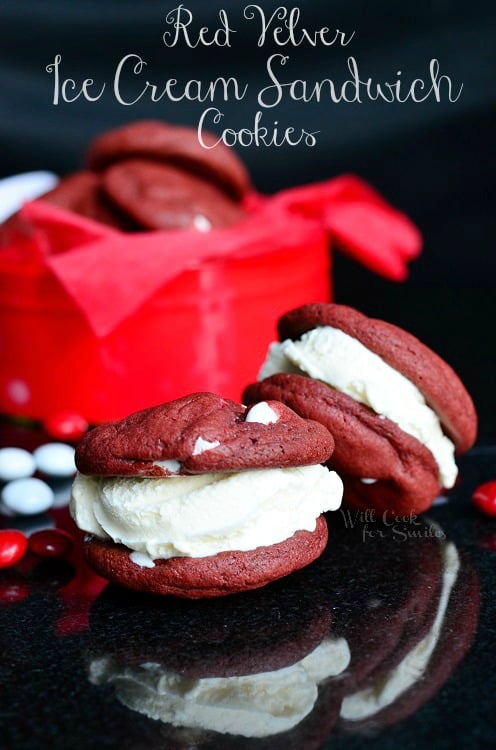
(149, 175)
(174, 145)
(82, 193)
(204, 577)
(383, 466)
(160, 196)
(176, 430)
(203, 434)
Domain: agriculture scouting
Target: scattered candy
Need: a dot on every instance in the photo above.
(13, 546)
(27, 496)
(487, 542)
(16, 463)
(484, 498)
(55, 459)
(13, 587)
(66, 425)
(50, 543)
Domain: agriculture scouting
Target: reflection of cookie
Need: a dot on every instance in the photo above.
(259, 665)
(385, 396)
(159, 196)
(217, 575)
(392, 599)
(202, 497)
(424, 658)
(174, 145)
(253, 632)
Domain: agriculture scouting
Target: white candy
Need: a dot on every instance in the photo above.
(15, 463)
(27, 496)
(55, 459)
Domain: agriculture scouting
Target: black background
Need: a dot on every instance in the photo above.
(434, 160)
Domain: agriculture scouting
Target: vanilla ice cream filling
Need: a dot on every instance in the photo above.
(341, 361)
(366, 703)
(257, 705)
(203, 514)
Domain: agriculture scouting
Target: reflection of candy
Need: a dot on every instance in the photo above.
(13, 545)
(15, 463)
(13, 586)
(27, 496)
(52, 574)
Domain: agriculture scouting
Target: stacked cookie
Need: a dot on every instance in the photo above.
(151, 175)
(203, 497)
(397, 411)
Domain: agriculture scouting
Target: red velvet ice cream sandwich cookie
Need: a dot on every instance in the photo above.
(397, 411)
(174, 145)
(439, 384)
(202, 497)
(159, 196)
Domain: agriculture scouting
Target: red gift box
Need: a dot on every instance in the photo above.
(103, 323)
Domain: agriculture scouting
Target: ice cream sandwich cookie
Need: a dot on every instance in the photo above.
(397, 411)
(202, 497)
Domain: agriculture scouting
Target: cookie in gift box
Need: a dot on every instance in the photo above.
(398, 412)
(160, 240)
(149, 175)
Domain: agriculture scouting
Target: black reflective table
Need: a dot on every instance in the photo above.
(386, 641)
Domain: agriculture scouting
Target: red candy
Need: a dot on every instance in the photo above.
(13, 587)
(13, 546)
(50, 543)
(484, 498)
(66, 425)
